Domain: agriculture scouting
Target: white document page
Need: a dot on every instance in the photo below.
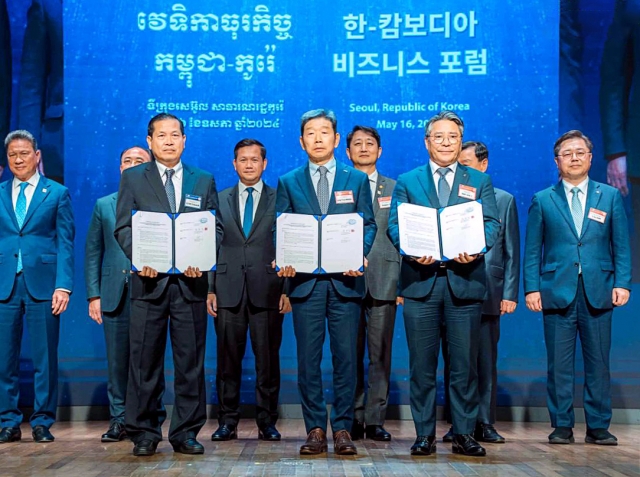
(151, 241)
(418, 228)
(195, 241)
(297, 242)
(462, 229)
(342, 243)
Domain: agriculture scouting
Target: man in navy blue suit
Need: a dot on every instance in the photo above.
(451, 292)
(325, 186)
(36, 279)
(577, 268)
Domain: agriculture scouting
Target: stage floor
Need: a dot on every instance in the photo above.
(78, 452)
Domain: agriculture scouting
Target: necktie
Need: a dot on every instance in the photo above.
(444, 191)
(170, 190)
(247, 221)
(323, 189)
(21, 213)
(576, 210)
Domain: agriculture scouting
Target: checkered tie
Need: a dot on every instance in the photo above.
(170, 190)
(576, 210)
(444, 191)
(247, 221)
(323, 189)
(21, 213)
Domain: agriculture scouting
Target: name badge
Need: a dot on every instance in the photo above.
(467, 192)
(384, 202)
(597, 215)
(344, 197)
(193, 201)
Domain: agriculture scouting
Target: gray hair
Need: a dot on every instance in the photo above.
(17, 135)
(319, 113)
(445, 115)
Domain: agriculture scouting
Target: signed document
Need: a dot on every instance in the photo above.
(315, 244)
(419, 235)
(170, 243)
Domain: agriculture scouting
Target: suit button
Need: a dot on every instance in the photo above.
(15, 255)
(20, 234)
(576, 264)
(124, 271)
(579, 244)
(246, 245)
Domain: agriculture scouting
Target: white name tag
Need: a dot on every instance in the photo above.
(344, 197)
(193, 201)
(597, 215)
(384, 202)
(467, 192)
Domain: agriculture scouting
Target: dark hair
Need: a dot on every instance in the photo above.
(445, 115)
(365, 129)
(480, 149)
(17, 135)
(319, 113)
(573, 134)
(148, 151)
(162, 117)
(250, 142)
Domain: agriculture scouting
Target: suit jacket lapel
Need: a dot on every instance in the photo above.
(425, 177)
(460, 177)
(188, 185)
(560, 199)
(263, 205)
(339, 184)
(593, 198)
(381, 184)
(303, 177)
(153, 176)
(114, 202)
(39, 195)
(7, 200)
(234, 206)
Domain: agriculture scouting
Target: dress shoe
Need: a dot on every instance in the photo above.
(561, 435)
(316, 442)
(601, 437)
(42, 434)
(424, 445)
(269, 433)
(115, 433)
(10, 434)
(465, 444)
(377, 433)
(145, 448)
(342, 443)
(357, 430)
(189, 446)
(448, 437)
(225, 432)
(488, 433)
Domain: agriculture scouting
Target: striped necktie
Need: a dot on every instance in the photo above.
(576, 210)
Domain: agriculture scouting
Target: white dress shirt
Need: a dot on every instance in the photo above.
(243, 196)
(448, 177)
(176, 179)
(28, 191)
(582, 195)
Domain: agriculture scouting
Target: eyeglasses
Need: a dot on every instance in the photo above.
(439, 138)
(569, 154)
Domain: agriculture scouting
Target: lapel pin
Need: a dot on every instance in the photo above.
(44, 191)
(379, 192)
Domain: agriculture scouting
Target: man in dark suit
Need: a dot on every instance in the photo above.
(577, 268)
(324, 186)
(451, 292)
(106, 271)
(503, 281)
(248, 294)
(36, 279)
(378, 313)
(165, 185)
(41, 92)
(5, 76)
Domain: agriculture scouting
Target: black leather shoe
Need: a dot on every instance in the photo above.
(601, 437)
(357, 430)
(42, 434)
(377, 433)
(448, 437)
(488, 433)
(10, 434)
(115, 433)
(269, 433)
(424, 445)
(225, 432)
(145, 448)
(465, 444)
(190, 446)
(561, 435)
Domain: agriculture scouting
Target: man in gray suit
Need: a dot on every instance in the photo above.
(503, 278)
(378, 312)
(106, 271)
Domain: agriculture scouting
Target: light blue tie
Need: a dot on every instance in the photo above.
(323, 189)
(444, 191)
(576, 210)
(171, 191)
(247, 221)
(21, 213)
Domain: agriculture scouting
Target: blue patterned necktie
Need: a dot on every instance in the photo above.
(247, 221)
(444, 191)
(170, 190)
(323, 189)
(21, 213)
(576, 210)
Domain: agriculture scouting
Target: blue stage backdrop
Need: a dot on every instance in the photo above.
(232, 70)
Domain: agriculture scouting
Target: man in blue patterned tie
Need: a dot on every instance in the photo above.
(36, 279)
(577, 268)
